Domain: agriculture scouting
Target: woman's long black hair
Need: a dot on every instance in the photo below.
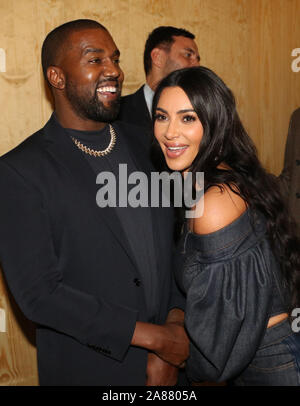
(226, 141)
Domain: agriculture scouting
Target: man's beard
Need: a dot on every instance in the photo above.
(91, 108)
(171, 66)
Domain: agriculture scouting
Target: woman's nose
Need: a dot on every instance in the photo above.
(171, 131)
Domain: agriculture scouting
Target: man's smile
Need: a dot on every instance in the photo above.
(108, 90)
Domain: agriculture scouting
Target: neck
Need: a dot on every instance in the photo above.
(153, 80)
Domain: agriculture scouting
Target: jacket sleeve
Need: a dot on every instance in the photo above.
(33, 275)
(177, 299)
(285, 176)
(227, 310)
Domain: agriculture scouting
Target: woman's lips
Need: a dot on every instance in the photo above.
(174, 151)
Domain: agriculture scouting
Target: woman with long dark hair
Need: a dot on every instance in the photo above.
(239, 261)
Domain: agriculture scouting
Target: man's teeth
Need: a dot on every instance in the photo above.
(106, 89)
(176, 148)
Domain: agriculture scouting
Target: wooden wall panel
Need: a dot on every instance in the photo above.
(247, 42)
(272, 86)
(18, 364)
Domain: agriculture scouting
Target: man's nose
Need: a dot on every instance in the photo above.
(195, 61)
(111, 69)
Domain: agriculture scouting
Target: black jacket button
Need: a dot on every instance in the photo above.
(298, 195)
(137, 281)
(298, 162)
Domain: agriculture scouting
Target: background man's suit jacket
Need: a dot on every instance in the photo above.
(290, 176)
(134, 110)
(69, 264)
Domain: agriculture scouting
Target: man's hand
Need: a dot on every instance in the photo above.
(170, 341)
(160, 373)
(172, 344)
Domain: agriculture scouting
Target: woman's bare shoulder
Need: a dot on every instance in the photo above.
(221, 207)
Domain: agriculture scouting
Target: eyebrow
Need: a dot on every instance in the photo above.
(99, 51)
(93, 50)
(178, 112)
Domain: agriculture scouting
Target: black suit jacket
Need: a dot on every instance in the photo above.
(69, 264)
(134, 110)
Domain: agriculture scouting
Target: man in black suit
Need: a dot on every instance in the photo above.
(290, 175)
(96, 281)
(166, 49)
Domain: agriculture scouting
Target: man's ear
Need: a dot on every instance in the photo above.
(158, 56)
(56, 77)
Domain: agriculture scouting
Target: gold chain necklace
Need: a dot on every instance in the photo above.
(94, 152)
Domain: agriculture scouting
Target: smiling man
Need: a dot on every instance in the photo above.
(96, 281)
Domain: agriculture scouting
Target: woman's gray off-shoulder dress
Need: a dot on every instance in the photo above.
(233, 285)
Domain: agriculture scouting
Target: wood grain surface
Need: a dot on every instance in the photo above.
(247, 42)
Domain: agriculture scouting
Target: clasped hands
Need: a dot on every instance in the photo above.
(169, 341)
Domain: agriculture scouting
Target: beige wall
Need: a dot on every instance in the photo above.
(247, 42)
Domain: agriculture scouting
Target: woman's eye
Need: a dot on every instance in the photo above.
(117, 61)
(188, 118)
(160, 117)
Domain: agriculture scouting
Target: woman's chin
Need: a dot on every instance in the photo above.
(176, 166)
(180, 164)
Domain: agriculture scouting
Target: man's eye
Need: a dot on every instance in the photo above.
(95, 60)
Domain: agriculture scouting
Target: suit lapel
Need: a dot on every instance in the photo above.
(142, 105)
(61, 147)
(160, 217)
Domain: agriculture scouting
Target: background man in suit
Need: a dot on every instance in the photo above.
(96, 281)
(290, 176)
(166, 49)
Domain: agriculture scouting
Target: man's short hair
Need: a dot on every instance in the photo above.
(56, 40)
(162, 37)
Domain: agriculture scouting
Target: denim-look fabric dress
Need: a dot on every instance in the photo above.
(233, 286)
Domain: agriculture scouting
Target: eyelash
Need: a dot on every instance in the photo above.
(95, 60)
(98, 60)
(186, 119)
(160, 117)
